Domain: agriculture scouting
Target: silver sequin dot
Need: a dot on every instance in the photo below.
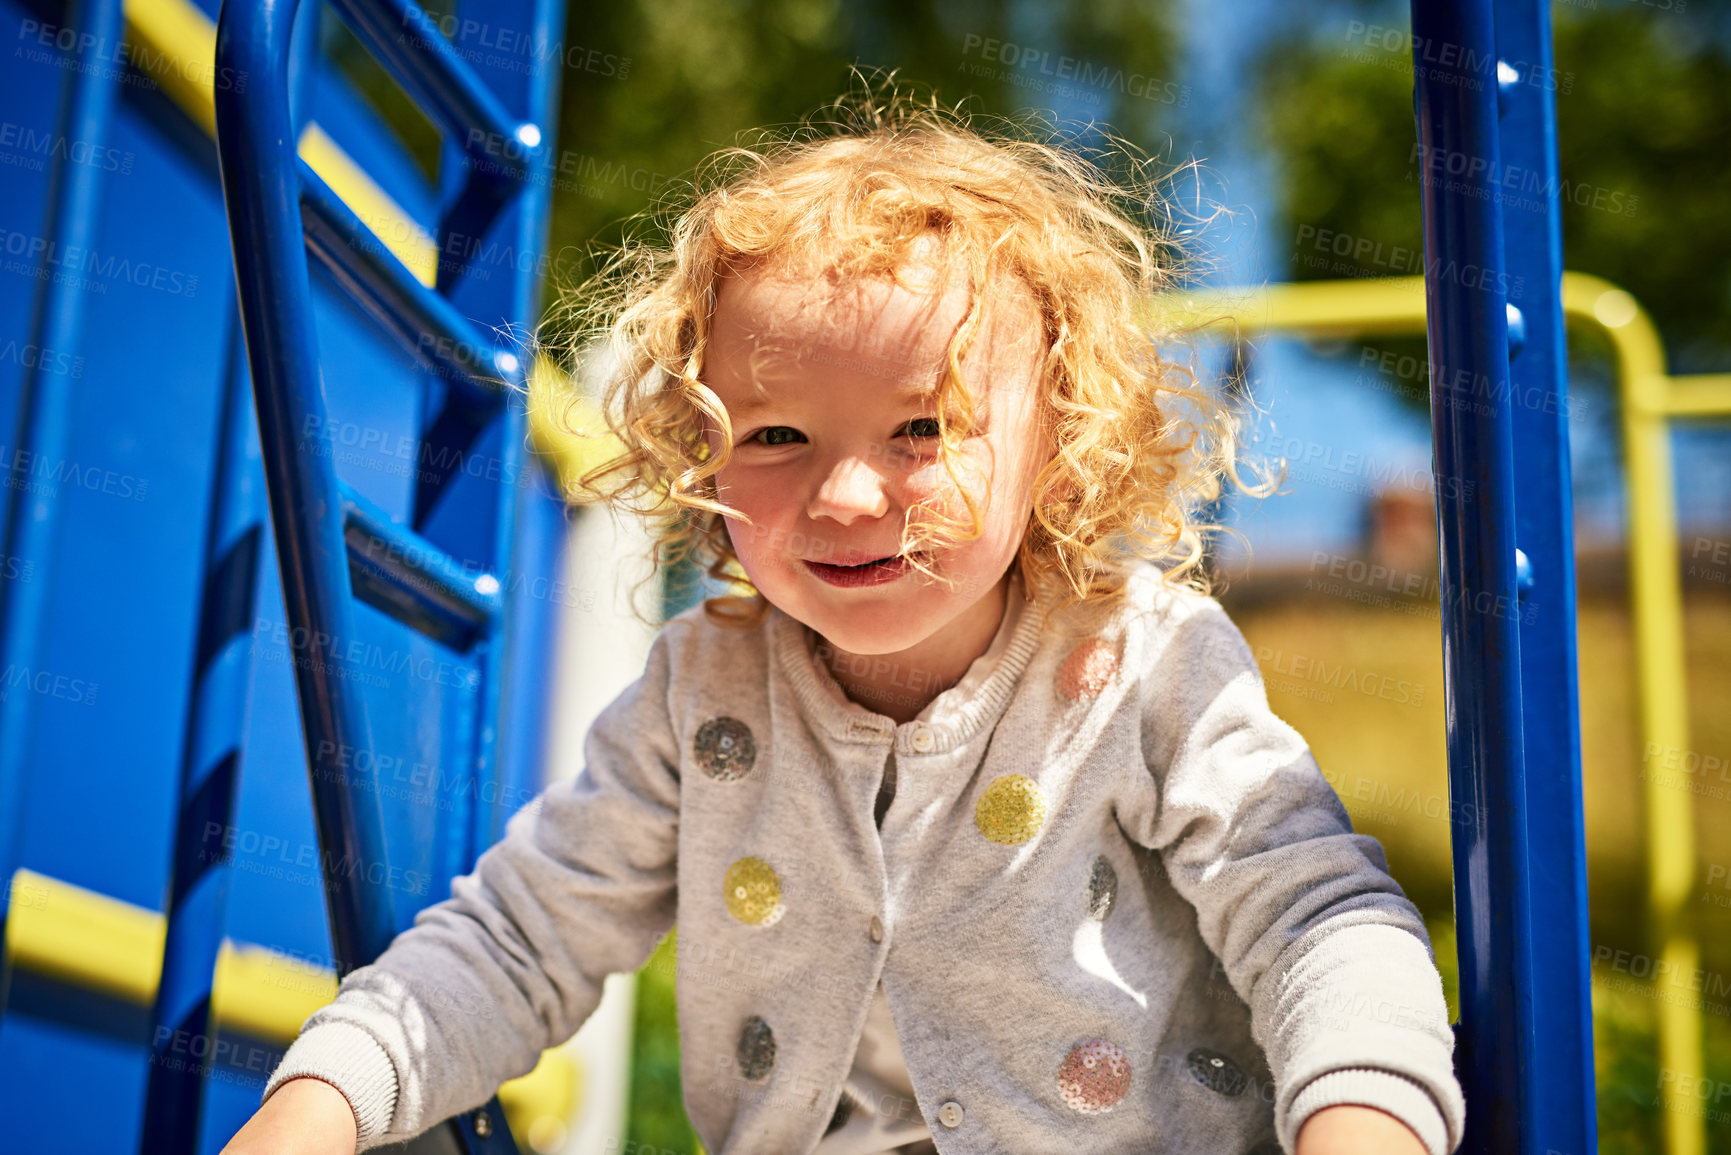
(1216, 1072)
(724, 749)
(1094, 1077)
(756, 1049)
(1102, 889)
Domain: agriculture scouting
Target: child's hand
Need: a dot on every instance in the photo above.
(305, 1116)
(1349, 1130)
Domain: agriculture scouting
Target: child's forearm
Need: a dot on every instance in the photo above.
(304, 1116)
(1353, 1130)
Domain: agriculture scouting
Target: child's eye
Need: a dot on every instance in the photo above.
(768, 434)
(923, 427)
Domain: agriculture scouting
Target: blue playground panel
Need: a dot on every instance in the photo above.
(133, 494)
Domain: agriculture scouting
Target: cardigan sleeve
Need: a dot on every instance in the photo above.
(1314, 935)
(581, 886)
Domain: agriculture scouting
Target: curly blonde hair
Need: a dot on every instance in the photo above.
(1139, 447)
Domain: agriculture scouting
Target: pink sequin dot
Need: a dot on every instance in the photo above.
(1087, 670)
(1095, 1077)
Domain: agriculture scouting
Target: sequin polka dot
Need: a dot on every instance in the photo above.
(1102, 889)
(1088, 669)
(1095, 1077)
(724, 749)
(753, 892)
(1011, 809)
(1216, 1072)
(756, 1049)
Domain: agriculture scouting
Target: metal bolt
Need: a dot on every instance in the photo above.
(483, 1122)
(1517, 330)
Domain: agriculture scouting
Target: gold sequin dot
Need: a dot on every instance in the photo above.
(753, 892)
(1011, 809)
(1094, 1077)
(1087, 670)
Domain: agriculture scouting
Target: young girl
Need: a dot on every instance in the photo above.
(977, 827)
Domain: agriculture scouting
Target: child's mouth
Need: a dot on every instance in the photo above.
(883, 569)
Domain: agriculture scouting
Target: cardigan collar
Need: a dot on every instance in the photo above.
(825, 704)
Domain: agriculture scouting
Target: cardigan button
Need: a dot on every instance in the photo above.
(950, 1114)
(877, 929)
(923, 740)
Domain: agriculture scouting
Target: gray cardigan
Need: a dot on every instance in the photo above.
(1114, 905)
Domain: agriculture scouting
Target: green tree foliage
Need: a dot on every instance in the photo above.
(702, 74)
(1643, 99)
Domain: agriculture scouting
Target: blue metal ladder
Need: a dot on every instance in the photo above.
(1484, 105)
(337, 547)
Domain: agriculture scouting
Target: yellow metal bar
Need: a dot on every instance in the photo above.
(87, 939)
(1699, 395)
(1656, 593)
(1320, 308)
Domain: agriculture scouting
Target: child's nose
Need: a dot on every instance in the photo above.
(852, 489)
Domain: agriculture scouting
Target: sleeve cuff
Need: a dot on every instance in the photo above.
(353, 1062)
(1398, 1095)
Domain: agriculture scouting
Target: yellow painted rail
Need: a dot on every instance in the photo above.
(89, 940)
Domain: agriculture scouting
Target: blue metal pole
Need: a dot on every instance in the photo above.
(1544, 520)
(44, 430)
(210, 773)
(256, 143)
(1466, 290)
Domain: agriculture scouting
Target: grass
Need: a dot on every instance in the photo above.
(1384, 752)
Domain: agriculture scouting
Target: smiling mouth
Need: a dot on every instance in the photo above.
(874, 561)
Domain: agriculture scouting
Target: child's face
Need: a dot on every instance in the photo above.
(833, 446)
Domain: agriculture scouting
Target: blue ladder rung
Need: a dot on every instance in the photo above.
(424, 322)
(403, 38)
(401, 573)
